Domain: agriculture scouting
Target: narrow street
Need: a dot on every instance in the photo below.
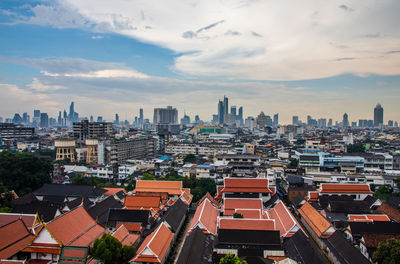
(181, 239)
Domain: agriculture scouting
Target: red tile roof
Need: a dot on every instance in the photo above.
(205, 218)
(345, 188)
(186, 196)
(171, 187)
(142, 202)
(30, 220)
(132, 227)
(74, 227)
(155, 246)
(246, 224)
(210, 198)
(316, 221)
(123, 236)
(162, 195)
(230, 204)
(112, 191)
(245, 185)
(368, 218)
(250, 213)
(312, 196)
(372, 240)
(285, 222)
(390, 211)
(14, 236)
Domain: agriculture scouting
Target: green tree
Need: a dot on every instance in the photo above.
(237, 215)
(190, 158)
(388, 252)
(79, 179)
(111, 251)
(23, 172)
(384, 192)
(355, 148)
(148, 177)
(293, 163)
(231, 259)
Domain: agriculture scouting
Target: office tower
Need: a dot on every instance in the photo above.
(99, 119)
(276, 120)
(330, 122)
(322, 123)
(116, 119)
(221, 112)
(390, 123)
(262, 120)
(295, 120)
(345, 121)
(59, 119)
(185, 120)
(269, 121)
(353, 124)
(140, 120)
(233, 110)
(378, 115)
(91, 118)
(52, 122)
(25, 118)
(167, 115)
(71, 112)
(17, 119)
(215, 120)
(309, 120)
(396, 124)
(1, 119)
(197, 119)
(226, 105)
(241, 115)
(44, 120)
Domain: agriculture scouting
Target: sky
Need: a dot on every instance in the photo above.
(311, 57)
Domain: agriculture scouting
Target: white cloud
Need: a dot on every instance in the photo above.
(97, 37)
(37, 85)
(263, 40)
(109, 73)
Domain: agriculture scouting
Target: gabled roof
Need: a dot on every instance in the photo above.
(76, 228)
(112, 191)
(246, 224)
(175, 214)
(246, 185)
(345, 188)
(69, 190)
(267, 239)
(142, 202)
(186, 196)
(359, 228)
(285, 222)
(14, 236)
(99, 211)
(250, 213)
(390, 211)
(46, 210)
(155, 246)
(30, 220)
(316, 221)
(230, 204)
(131, 227)
(368, 218)
(205, 217)
(123, 236)
(126, 215)
(210, 198)
(197, 248)
(299, 249)
(372, 240)
(171, 187)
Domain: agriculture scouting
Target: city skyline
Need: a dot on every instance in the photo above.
(323, 59)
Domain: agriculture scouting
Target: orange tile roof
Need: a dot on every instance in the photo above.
(74, 225)
(246, 224)
(87, 238)
(14, 237)
(345, 188)
(316, 221)
(186, 196)
(123, 236)
(368, 218)
(171, 187)
(390, 211)
(218, 195)
(155, 246)
(285, 222)
(112, 191)
(162, 195)
(209, 197)
(312, 196)
(132, 227)
(250, 213)
(29, 219)
(230, 204)
(142, 202)
(245, 183)
(205, 218)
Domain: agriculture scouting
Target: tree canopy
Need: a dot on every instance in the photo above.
(293, 163)
(111, 251)
(384, 192)
(148, 177)
(388, 252)
(355, 148)
(231, 259)
(190, 158)
(23, 172)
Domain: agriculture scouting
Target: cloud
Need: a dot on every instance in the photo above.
(295, 37)
(97, 37)
(41, 87)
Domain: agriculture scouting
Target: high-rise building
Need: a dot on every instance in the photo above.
(197, 119)
(262, 120)
(276, 120)
(116, 119)
(26, 118)
(241, 115)
(140, 118)
(96, 130)
(185, 120)
(44, 120)
(390, 123)
(322, 123)
(378, 115)
(167, 115)
(59, 119)
(91, 118)
(71, 112)
(221, 111)
(345, 121)
(17, 119)
(233, 110)
(295, 120)
(330, 122)
(226, 105)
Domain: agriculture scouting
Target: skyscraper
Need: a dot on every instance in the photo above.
(226, 105)
(116, 119)
(44, 120)
(233, 110)
(221, 112)
(276, 120)
(241, 115)
(141, 118)
(167, 115)
(71, 112)
(345, 121)
(295, 120)
(378, 115)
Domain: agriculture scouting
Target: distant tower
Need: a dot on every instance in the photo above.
(71, 112)
(226, 105)
(345, 122)
(221, 112)
(378, 115)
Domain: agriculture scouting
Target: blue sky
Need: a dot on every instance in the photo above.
(315, 58)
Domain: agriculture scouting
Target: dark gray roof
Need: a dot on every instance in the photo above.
(343, 250)
(27, 198)
(267, 239)
(349, 207)
(370, 199)
(46, 210)
(175, 214)
(359, 228)
(324, 200)
(100, 210)
(69, 190)
(298, 248)
(394, 201)
(125, 215)
(197, 249)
